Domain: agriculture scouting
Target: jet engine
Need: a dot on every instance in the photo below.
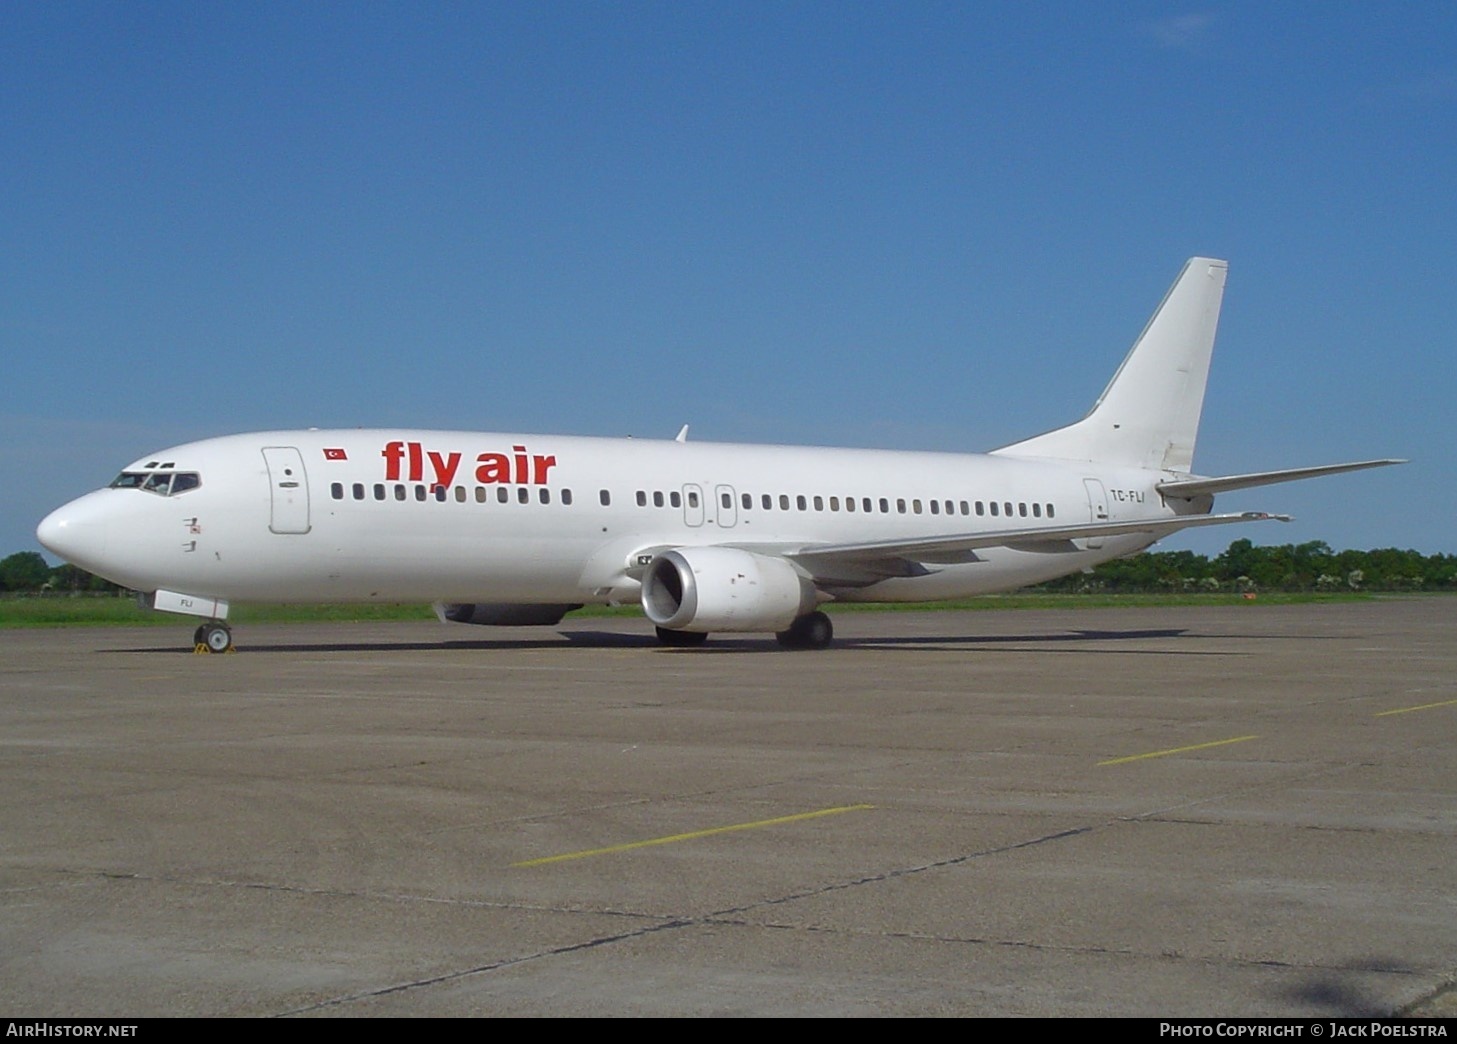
(704, 589)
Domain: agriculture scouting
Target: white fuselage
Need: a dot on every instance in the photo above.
(382, 515)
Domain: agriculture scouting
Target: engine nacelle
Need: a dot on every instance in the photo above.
(723, 589)
(502, 614)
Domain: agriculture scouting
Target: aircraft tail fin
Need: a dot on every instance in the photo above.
(1148, 416)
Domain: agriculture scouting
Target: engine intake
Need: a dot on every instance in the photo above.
(723, 589)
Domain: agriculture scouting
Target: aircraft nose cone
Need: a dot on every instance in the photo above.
(67, 532)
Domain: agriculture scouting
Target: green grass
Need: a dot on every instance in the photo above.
(63, 611)
(125, 612)
(1038, 600)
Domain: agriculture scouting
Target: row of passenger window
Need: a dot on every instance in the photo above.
(865, 505)
(675, 499)
(421, 493)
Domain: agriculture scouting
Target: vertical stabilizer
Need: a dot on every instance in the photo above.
(1148, 416)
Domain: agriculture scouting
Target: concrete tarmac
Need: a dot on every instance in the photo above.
(1245, 810)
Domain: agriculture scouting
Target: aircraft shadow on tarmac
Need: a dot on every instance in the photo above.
(951, 643)
(718, 643)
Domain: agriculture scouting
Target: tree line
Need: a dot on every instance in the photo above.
(28, 573)
(1245, 567)
(1241, 567)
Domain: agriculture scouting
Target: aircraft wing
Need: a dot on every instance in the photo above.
(875, 560)
(1193, 487)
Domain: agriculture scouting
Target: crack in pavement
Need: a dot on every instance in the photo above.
(717, 916)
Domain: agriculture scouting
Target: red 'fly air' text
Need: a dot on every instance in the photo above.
(410, 460)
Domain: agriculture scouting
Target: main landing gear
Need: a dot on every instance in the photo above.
(213, 637)
(811, 631)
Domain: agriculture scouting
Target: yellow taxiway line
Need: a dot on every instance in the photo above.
(797, 817)
(1175, 750)
(1424, 706)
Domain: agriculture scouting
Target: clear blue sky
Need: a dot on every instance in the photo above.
(918, 225)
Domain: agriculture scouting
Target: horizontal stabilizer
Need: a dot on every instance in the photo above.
(1187, 488)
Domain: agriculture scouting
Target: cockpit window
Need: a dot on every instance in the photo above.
(162, 483)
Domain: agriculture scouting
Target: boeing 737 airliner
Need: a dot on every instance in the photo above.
(521, 529)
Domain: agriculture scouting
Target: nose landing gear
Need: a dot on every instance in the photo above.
(213, 637)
